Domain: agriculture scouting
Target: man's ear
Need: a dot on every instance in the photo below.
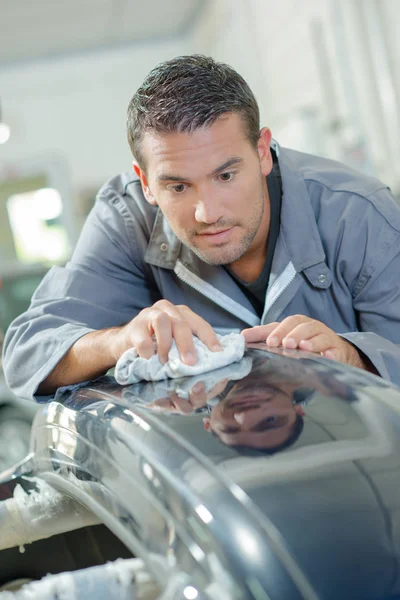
(145, 186)
(299, 410)
(206, 423)
(264, 151)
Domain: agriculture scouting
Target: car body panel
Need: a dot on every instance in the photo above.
(319, 518)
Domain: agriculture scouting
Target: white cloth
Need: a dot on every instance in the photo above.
(131, 368)
(149, 392)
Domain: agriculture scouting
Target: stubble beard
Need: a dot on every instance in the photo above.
(225, 254)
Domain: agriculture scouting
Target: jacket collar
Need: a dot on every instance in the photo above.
(298, 225)
(164, 247)
(166, 251)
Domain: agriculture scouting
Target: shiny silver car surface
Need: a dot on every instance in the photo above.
(274, 478)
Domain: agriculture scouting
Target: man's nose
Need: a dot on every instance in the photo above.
(208, 210)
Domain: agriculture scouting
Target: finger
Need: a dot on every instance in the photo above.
(167, 323)
(141, 339)
(161, 326)
(283, 330)
(200, 328)
(163, 305)
(169, 309)
(307, 331)
(333, 354)
(183, 336)
(181, 404)
(161, 404)
(197, 395)
(290, 353)
(320, 343)
(218, 388)
(258, 333)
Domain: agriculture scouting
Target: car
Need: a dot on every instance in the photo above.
(277, 477)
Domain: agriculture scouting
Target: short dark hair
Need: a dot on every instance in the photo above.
(188, 92)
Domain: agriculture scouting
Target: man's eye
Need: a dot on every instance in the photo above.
(178, 188)
(226, 176)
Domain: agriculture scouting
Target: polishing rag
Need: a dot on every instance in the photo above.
(131, 368)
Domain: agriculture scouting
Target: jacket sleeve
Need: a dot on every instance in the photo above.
(105, 284)
(376, 296)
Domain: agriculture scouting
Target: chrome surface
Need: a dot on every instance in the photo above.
(282, 484)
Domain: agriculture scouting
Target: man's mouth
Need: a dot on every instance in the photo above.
(217, 235)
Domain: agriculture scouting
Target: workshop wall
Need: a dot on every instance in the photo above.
(317, 86)
(326, 73)
(75, 106)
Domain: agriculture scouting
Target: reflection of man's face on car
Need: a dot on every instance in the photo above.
(255, 414)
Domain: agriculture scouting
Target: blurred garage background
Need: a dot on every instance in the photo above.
(325, 72)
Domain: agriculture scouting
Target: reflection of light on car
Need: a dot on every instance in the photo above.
(197, 553)
(190, 592)
(64, 441)
(148, 471)
(248, 543)
(239, 493)
(51, 411)
(136, 419)
(65, 418)
(150, 475)
(204, 513)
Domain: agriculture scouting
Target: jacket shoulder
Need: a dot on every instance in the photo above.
(123, 193)
(124, 185)
(332, 184)
(333, 174)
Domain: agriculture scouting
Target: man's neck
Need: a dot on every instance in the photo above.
(248, 267)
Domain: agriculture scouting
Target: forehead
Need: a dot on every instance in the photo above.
(201, 150)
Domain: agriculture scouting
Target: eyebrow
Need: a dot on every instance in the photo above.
(236, 160)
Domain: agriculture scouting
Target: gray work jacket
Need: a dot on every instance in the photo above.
(337, 259)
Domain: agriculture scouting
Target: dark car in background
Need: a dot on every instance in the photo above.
(274, 478)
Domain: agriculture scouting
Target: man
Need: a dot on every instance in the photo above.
(221, 230)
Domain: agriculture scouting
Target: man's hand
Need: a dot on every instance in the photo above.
(299, 331)
(154, 328)
(150, 332)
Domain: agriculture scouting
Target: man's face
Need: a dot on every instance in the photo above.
(211, 187)
(254, 415)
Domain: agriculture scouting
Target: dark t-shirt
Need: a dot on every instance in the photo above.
(256, 290)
